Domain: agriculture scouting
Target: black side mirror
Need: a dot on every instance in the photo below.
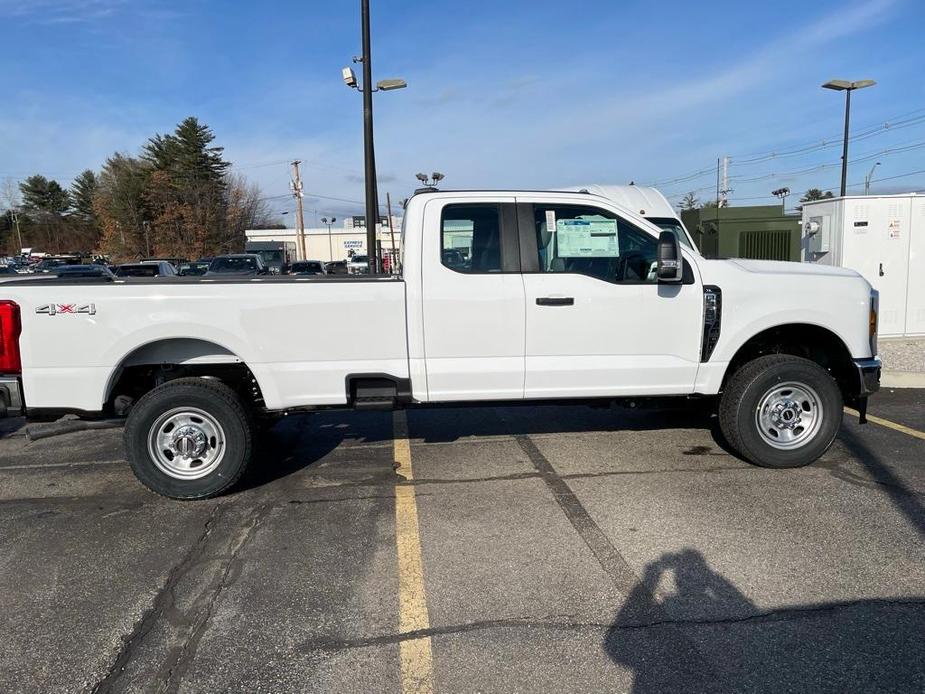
(670, 263)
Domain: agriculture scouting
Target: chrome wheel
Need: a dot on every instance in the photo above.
(789, 415)
(186, 443)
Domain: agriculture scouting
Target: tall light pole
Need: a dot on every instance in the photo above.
(782, 193)
(369, 155)
(870, 175)
(847, 87)
(329, 224)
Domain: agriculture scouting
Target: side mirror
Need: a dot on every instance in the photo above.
(670, 263)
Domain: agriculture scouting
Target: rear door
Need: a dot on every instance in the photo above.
(473, 300)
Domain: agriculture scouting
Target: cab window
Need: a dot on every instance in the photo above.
(591, 241)
(470, 238)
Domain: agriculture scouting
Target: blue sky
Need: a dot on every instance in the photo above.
(506, 94)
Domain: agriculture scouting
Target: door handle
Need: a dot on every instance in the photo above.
(555, 301)
(881, 269)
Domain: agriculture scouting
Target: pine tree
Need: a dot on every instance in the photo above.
(121, 208)
(45, 196)
(188, 154)
(83, 189)
(187, 190)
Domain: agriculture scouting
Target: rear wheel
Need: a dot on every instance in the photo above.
(781, 411)
(191, 438)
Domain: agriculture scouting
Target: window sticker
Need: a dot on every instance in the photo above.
(586, 238)
(551, 221)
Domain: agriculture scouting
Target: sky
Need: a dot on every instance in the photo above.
(517, 94)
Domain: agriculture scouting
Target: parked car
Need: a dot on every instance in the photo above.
(176, 262)
(160, 268)
(336, 267)
(84, 271)
(358, 265)
(307, 267)
(7, 270)
(562, 295)
(51, 264)
(236, 265)
(193, 269)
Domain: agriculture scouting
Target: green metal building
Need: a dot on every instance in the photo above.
(761, 231)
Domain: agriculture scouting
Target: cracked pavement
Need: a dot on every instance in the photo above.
(564, 548)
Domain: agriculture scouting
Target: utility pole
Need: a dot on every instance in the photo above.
(724, 191)
(18, 231)
(388, 203)
(146, 225)
(717, 184)
(372, 192)
(296, 186)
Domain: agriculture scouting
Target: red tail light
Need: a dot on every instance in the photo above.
(10, 328)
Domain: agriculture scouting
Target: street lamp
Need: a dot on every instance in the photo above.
(870, 174)
(434, 179)
(328, 224)
(372, 194)
(782, 193)
(847, 87)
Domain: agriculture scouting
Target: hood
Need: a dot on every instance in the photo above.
(782, 267)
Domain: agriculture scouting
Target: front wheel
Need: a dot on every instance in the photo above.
(190, 438)
(781, 411)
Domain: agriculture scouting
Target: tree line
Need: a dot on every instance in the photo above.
(177, 198)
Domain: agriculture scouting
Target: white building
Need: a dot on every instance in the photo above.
(336, 242)
(883, 238)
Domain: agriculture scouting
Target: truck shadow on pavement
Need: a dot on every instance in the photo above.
(299, 442)
(686, 628)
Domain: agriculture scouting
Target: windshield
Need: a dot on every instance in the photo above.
(307, 267)
(271, 257)
(670, 224)
(233, 265)
(360, 259)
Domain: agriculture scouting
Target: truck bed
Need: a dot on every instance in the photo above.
(301, 337)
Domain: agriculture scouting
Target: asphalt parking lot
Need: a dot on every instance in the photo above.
(461, 550)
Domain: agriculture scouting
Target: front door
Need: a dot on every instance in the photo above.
(597, 321)
(473, 300)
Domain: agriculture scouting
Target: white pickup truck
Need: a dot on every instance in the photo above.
(503, 296)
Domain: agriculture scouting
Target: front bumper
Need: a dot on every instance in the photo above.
(868, 376)
(11, 402)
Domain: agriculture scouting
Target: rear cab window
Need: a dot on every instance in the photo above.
(479, 238)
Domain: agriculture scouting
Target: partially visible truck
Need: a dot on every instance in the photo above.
(277, 256)
(547, 296)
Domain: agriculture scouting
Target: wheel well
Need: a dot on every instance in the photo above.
(166, 360)
(811, 342)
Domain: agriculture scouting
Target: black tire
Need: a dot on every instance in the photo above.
(231, 451)
(740, 420)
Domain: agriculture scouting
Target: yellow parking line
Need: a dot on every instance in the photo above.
(417, 668)
(890, 425)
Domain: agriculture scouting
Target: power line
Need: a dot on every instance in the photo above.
(899, 122)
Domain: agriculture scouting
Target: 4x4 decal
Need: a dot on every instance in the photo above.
(55, 309)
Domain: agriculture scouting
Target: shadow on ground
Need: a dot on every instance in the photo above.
(686, 628)
(298, 442)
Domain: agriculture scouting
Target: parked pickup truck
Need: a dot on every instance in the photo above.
(550, 296)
